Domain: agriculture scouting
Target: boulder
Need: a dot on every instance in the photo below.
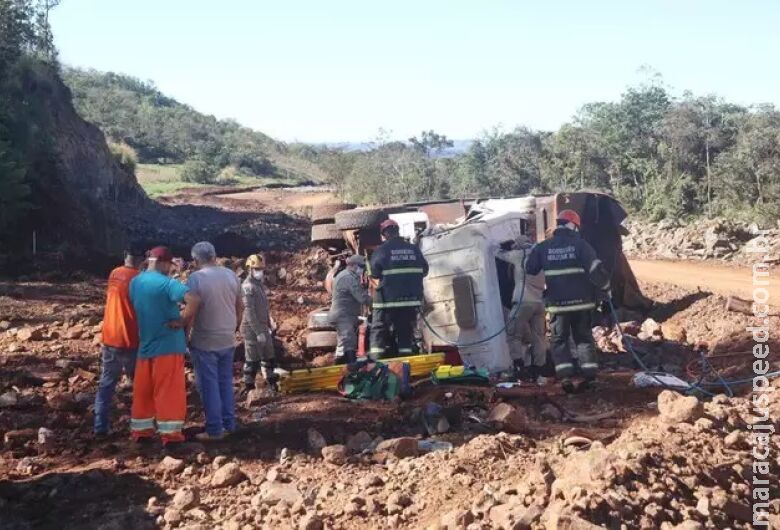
(310, 521)
(171, 465)
(674, 332)
(507, 418)
(316, 441)
(357, 443)
(228, 475)
(334, 454)
(675, 408)
(186, 498)
(272, 493)
(9, 399)
(399, 447)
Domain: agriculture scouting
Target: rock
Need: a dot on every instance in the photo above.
(186, 498)
(228, 475)
(316, 441)
(75, 332)
(733, 440)
(738, 511)
(456, 520)
(550, 412)
(507, 418)
(5, 325)
(219, 461)
(674, 332)
(359, 442)
(335, 454)
(14, 347)
(703, 506)
(172, 516)
(651, 328)
(171, 465)
(272, 493)
(572, 522)
(9, 399)
(310, 521)
(62, 402)
(30, 334)
(675, 408)
(371, 481)
(289, 326)
(396, 502)
(399, 447)
(689, 525)
(255, 397)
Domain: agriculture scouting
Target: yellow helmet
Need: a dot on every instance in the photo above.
(255, 261)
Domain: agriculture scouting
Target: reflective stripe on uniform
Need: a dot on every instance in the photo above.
(404, 350)
(596, 263)
(553, 309)
(391, 272)
(563, 366)
(142, 424)
(168, 427)
(392, 305)
(589, 365)
(563, 272)
(377, 350)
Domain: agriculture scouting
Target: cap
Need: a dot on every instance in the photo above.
(569, 216)
(161, 254)
(356, 259)
(388, 223)
(255, 261)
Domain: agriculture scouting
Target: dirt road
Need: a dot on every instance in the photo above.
(736, 281)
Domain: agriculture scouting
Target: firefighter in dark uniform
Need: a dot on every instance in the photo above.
(576, 280)
(399, 268)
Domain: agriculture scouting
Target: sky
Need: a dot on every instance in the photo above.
(339, 70)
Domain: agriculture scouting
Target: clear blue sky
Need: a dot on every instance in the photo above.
(339, 70)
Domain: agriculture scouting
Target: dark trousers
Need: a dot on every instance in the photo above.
(575, 325)
(393, 327)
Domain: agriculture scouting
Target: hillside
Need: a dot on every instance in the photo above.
(162, 131)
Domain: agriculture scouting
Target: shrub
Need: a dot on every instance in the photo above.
(124, 155)
(198, 171)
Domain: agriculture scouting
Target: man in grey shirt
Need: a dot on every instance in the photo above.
(213, 339)
(349, 297)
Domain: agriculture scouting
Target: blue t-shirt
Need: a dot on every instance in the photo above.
(156, 299)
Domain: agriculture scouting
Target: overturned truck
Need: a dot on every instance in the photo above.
(466, 283)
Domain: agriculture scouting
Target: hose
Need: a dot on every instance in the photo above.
(512, 317)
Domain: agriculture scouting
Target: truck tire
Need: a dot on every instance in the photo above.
(319, 321)
(361, 218)
(326, 213)
(321, 340)
(328, 236)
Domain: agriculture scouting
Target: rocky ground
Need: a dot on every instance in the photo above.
(716, 239)
(527, 457)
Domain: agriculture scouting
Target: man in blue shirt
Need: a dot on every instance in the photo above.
(159, 394)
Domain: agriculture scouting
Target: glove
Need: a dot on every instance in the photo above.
(262, 339)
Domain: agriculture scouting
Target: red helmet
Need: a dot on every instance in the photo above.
(387, 224)
(570, 216)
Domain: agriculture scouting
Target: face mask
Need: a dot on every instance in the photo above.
(359, 271)
(257, 275)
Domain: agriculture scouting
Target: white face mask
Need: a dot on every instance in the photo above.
(257, 275)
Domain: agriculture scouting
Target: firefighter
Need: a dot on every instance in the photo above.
(349, 297)
(256, 327)
(398, 268)
(576, 279)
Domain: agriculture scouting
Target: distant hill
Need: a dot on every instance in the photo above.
(161, 130)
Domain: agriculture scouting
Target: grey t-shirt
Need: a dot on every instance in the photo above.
(215, 325)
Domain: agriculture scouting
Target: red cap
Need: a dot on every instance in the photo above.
(161, 254)
(387, 224)
(570, 216)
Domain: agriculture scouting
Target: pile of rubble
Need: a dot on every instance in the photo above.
(718, 239)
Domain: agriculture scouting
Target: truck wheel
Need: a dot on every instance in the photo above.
(361, 218)
(326, 213)
(321, 340)
(319, 321)
(328, 236)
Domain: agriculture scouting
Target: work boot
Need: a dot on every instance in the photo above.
(567, 386)
(250, 374)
